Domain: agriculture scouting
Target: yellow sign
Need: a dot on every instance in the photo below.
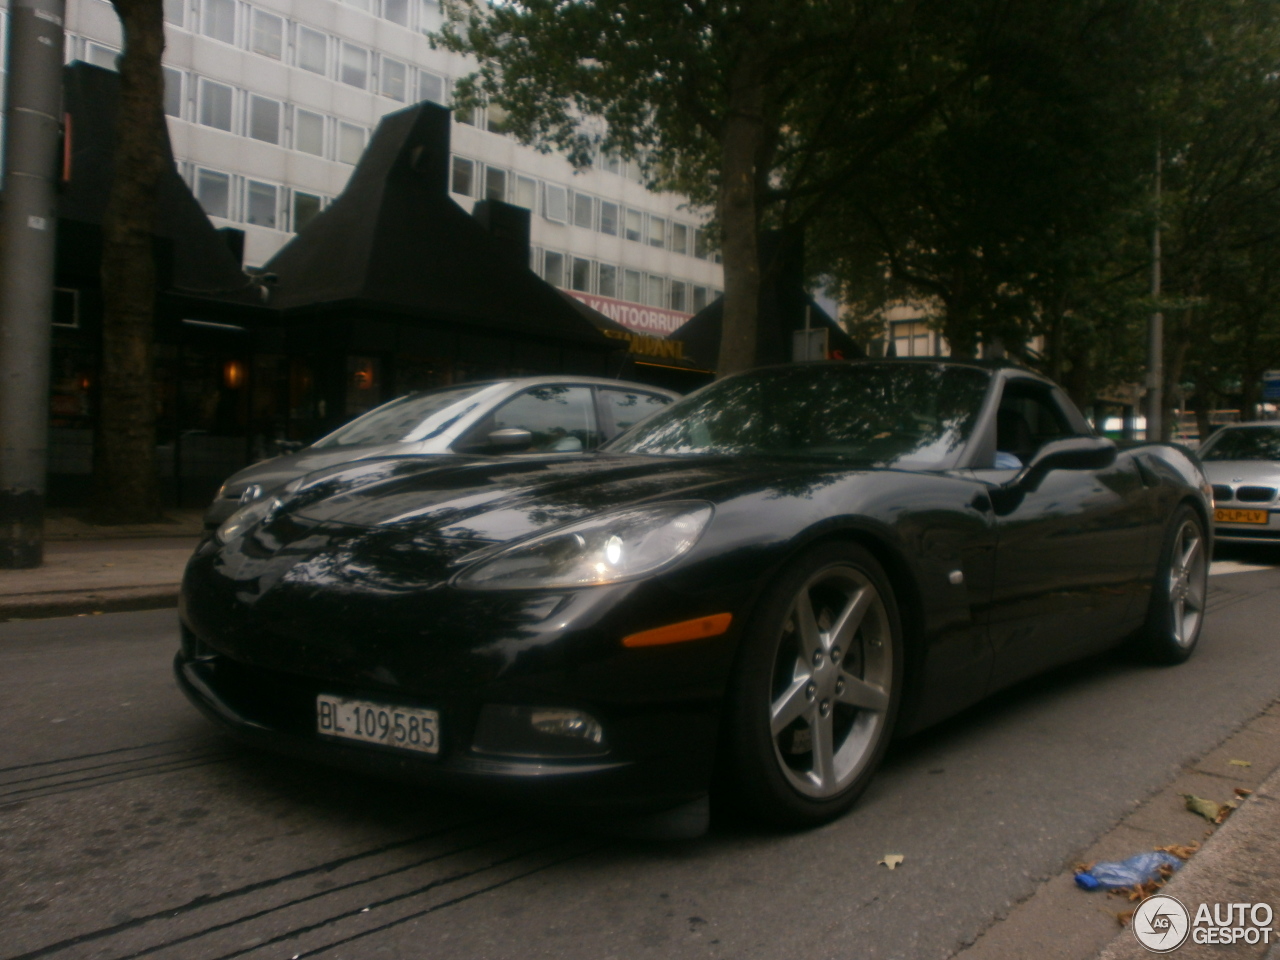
(648, 346)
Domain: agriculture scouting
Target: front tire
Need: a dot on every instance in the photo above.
(817, 688)
(1178, 595)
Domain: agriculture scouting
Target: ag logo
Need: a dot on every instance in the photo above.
(1161, 923)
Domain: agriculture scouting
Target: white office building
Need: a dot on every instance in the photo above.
(271, 103)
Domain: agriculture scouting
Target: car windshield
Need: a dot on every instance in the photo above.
(1243, 443)
(417, 416)
(888, 414)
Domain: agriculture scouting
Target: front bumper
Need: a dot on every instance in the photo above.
(660, 755)
(1248, 532)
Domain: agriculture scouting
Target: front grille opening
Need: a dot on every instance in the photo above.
(1256, 494)
(1221, 492)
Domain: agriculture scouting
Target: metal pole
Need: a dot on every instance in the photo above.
(1155, 345)
(28, 217)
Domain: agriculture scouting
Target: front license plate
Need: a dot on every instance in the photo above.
(405, 728)
(1222, 515)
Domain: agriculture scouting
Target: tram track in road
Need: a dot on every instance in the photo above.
(375, 890)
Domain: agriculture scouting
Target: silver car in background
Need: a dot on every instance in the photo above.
(563, 414)
(1242, 461)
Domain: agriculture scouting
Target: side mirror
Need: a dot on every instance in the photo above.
(511, 438)
(1074, 453)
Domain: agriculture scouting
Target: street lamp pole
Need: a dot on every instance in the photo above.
(1155, 343)
(28, 217)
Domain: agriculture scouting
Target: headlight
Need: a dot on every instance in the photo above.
(605, 549)
(246, 517)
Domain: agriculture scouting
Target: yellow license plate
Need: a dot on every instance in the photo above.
(1239, 516)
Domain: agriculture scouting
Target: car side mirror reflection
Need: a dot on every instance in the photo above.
(510, 438)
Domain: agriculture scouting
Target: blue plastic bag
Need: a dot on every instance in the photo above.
(1118, 874)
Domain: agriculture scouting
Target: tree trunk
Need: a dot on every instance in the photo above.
(125, 484)
(740, 221)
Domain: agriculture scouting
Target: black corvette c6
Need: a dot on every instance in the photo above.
(751, 591)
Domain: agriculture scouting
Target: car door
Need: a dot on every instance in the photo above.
(1071, 552)
(622, 408)
(560, 417)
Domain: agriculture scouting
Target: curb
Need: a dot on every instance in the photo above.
(39, 606)
(1236, 863)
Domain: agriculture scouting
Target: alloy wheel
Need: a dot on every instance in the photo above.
(1188, 583)
(832, 681)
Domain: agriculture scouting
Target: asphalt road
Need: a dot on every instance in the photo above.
(129, 828)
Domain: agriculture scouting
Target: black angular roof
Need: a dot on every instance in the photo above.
(395, 243)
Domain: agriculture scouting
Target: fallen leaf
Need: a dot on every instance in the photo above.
(1241, 792)
(1182, 851)
(891, 860)
(1240, 763)
(1124, 916)
(1225, 811)
(1211, 810)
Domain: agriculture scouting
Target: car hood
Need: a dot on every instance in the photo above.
(502, 498)
(1243, 471)
(276, 472)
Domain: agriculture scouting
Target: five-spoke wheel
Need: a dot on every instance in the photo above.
(817, 687)
(1176, 611)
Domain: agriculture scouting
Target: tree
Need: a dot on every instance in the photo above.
(125, 482)
(763, 109)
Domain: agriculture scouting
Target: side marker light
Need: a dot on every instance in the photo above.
(699, 629)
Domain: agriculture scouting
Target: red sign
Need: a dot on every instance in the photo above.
(651, 320)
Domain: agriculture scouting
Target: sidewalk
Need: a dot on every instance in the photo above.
(90, 569)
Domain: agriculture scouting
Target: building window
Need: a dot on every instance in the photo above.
(607, 280)
(498, 120)
(583, 211)
(911, 338)
(464, 177)
(634, 171)
(631, 280)
(653, 292)
(395, 79)
(676, 299)
(679, 238)
(468, 115)
(350, 142)
(657, 232)
(359, 4)
(305, 208)
(215, 105)
(308, 132)
(555, 204)
(174, 11)
(526, 193)
(495, 184)
(609, 218)
(173, 92)
(700, 247)
(553, 268)
(261, 204)
(635, 223)
(611, 163)
(429, 12)
(430, 87)
(267, 35)
(397, 11)
(213, 190)
(264, 118)
(313, 50)
(699, 299)
(581, 279)
(100, 56)
(355, 66)
(220, 20)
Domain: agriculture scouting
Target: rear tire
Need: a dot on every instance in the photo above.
(1177, 607)
(817, 688)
